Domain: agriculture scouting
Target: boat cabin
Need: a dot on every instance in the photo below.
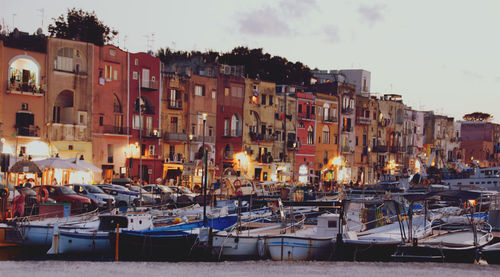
(328, 225)
(129, 222)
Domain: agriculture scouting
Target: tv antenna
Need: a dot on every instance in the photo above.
(42, 14)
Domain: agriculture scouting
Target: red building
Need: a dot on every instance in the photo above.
(230, 95)
(306, 123)
(110, 136)
(144, 117)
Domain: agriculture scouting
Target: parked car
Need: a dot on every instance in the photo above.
(62, 194)
(122, 195)
(184, 196)
(147, 197)
(97, 195)
(165, 193)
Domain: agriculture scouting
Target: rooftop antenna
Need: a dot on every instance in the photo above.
(152, 41)
(42, 14)
(13, 20)
(125, 43)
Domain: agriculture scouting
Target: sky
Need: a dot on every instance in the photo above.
(439, 55)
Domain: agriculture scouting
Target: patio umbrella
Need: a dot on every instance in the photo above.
(25, 166)
(58, 163)
(82, 163)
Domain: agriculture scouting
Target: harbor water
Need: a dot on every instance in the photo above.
(241, 269)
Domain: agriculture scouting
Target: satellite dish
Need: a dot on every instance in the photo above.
(39, 31)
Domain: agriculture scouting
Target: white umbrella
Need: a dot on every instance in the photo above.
(82, 163)
(58, 163)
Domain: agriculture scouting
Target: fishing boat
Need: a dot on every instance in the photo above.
(175, 242)
(85, 242)
(37, 233)
(8, 248)
(307, 243)
(380, 231)
(461, 246)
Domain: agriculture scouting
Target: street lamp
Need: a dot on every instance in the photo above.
(204, 180)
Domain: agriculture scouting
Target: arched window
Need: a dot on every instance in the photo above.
(235, 126)
(326, 135)
(24, 74)
(310, 135)
(117, 106)
(326, 111)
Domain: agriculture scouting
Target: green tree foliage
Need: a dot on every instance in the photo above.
(83, 26)
(477, 116)
(257, 63)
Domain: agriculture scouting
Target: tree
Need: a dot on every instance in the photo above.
(83, 26)
(478, 116)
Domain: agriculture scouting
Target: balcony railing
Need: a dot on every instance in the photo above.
(260, 137)
(168, 136)
(397, 149)
(346, 149)
(150, 133)
(110, 129)
(363, 120)
(174, 104)
(380, 148)
(347, 110)
(72, 132)
(17, 87)
(151, 85)
(330, 119)
(207, 139)
(30, 131)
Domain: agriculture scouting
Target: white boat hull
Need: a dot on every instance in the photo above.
(287, 248)
(81, 242)
(238, 247)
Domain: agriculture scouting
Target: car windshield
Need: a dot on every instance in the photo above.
(67, 191)
(185, 190)
(94, 189)
(166, 189)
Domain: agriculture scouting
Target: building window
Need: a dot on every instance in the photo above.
(226, 91)
(226, 127)
(136, 61)
(64, 59)
(199, 90)
(213, 94)
(263, 99)
(237, 92)
(101, 120)
(235, 126)
(151, 150)
(110, 153)
(300, 108)
(82, 118)
(310, 135)
(326, 135)
(336, 139)
(108, 71)
(137, 122)
(210, 131)
(135, 75)
(270, 100)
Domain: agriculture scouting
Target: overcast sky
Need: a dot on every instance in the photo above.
(440, 55)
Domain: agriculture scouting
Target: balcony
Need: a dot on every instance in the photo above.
(174, 104)
(207, 139)
(380, 148)
(174, 137)
(110, 129)
(347, 129)
(346, 149)
(174, 158)
(363, 120)
(397, 149)
(17, 87)
(347, 110)
(30, 131)
(151, 85)
(72, 132)
(149, 133)
(261, 137)
(332, 119)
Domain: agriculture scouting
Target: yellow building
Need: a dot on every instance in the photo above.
(69, 97)
(259, 129)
